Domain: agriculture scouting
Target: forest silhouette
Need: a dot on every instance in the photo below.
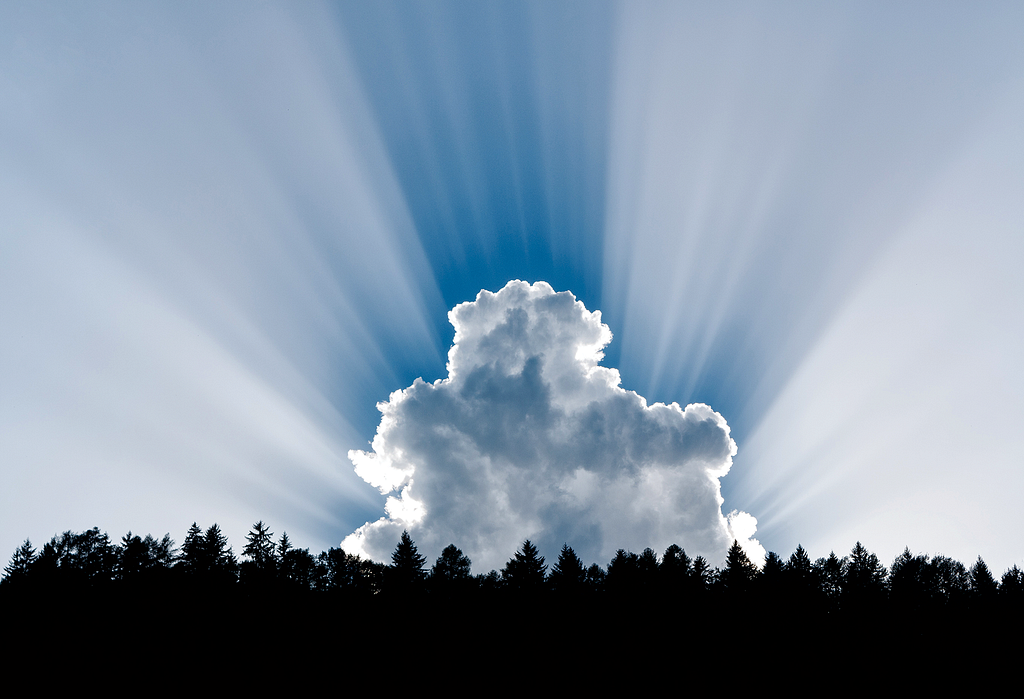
(146, 598)
(89, 562)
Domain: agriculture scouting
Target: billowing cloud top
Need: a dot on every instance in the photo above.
(529, 437)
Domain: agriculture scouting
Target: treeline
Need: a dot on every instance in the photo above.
(205, 562)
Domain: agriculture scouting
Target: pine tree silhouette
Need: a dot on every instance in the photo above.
(568, 575)
(739, 573)
(260, 547)
(17, 571)
(525, 572)
(983, 585)
(863, 579)
(406, 572)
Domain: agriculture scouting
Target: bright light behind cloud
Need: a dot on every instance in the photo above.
(528, 437)
(228, 230)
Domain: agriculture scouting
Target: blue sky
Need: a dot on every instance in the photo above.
(228, 230)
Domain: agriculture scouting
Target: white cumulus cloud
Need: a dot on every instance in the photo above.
(529, 437)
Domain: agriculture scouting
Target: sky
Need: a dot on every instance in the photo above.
(228, 231)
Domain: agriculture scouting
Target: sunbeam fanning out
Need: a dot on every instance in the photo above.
(759, 159)
(763, 161)
(905, 415)
(205, 257)
(229, 230)
(495, 118)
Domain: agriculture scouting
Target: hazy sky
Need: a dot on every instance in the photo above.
(228, 230)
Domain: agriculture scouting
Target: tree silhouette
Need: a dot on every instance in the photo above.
(863, 579)
(133, 558)
(260, 547)
(952, 581)
(406, 571)
(925, 596)
(298, 569)
(47, 568)
(1011, 586)
(17, 571)
(162, 553)
(802, 590)
(193, 552)
(87, 559)
(261, 568)
(800, 569)
(207, 557)
(350, 574)
(674, 569)
(220, 557)
(702, 577)
(623, 573)
(830, 577)
(772, 581)
(568, 574)
(450, 574)
(914, 582)
(525, 571)
(451, 566)
(283, 546)
(982, 585)
(647, 569)
(144, 562)
(596, 577)
(739, 574)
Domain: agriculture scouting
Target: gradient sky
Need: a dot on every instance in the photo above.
(227, 230)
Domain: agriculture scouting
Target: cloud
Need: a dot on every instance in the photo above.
(529, 437)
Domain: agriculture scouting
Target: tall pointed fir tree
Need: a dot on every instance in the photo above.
(406, 573)
(739, 574)
(260, 547)
(17, 571)
(261, 568)
(191, 560)
(983, 585)
(568, 576)
(221, 566)
(863, 580)
(525, 572)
